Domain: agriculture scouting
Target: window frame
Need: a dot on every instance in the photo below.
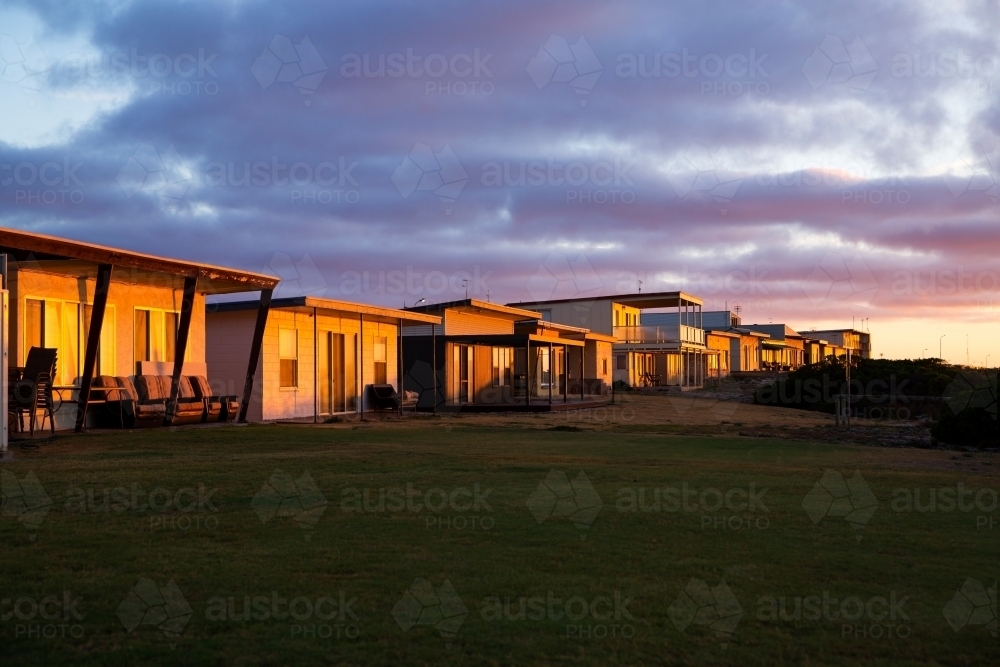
(161, 332)
(106, 362)
(295, 361)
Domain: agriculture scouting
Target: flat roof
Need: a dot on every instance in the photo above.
(743, 331)
(545, 324)
(50, 254)
(479, 307)
(774, 329)
(727, 334)
(308, 303)
(848, 330)
(637, 300)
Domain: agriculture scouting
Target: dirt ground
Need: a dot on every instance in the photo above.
(695, 413)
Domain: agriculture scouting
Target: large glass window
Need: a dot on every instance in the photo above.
(65, 325)
(106, 346)
(288, 357)
(503, 358)
(34, 324)
(170, 336)
(140, 335)
(155, 335)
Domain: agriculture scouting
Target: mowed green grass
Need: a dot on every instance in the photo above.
(499, 550)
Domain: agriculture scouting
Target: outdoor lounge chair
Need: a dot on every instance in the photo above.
(217, 408)
(154, 389)
(383, 397)
(34, 389)
(122, 408)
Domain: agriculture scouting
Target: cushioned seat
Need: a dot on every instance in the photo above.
(155, 390)
(228, 406)
(201, 389)
(122, 408)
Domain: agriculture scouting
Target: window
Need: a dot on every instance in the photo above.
(141, 335)
(34, 319)
(170, 336)
(288, 357)
(462, 373)
(620, 362)
(155, 335)
(546, 315)
(604, 366)
(64, 326)
(380, 360)
(503, 358)
(106, 346)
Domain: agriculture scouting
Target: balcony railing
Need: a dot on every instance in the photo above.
(660, 333)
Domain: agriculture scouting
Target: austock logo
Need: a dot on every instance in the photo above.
(148, 604)
(833, 63)
(558, 277)
(972, 389)
(26, 500)
(283, 496)
(834, 497)
(297, 277)
(283, 62)
(699, 604)
(151, 172)
(558, 61)
(973, 604)
(557, 497)
(978, 175)
(704, 172)
(22, 64)
(423, 604)
(838, 278)
(440, 173)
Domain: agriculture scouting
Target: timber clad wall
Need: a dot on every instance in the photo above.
(229, 335)
(594, 315)
(463, 324)
(597, 353)
(227, 345)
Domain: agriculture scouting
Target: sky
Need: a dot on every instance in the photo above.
(824, 165)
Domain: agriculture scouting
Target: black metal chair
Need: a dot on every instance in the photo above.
(34, 389)
(383, 397)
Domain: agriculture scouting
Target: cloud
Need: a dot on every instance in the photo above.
(753, 156)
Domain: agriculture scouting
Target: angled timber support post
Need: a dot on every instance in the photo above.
(255, 345)
(361, 364)
(402, 367)
(315, 365)
(184, 329)
(434, 370)
(93, 340)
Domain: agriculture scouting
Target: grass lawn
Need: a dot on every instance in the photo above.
(492, 558)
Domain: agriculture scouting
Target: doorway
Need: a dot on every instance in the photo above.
(330, 372)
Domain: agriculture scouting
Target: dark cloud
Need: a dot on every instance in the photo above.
(736, 184)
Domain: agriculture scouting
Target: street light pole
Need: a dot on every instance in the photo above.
(940, 340)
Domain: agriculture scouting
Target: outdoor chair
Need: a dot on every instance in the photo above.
(217, 408)
(122, 408)
(383, 397)
(155, 389)
(34, 390)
